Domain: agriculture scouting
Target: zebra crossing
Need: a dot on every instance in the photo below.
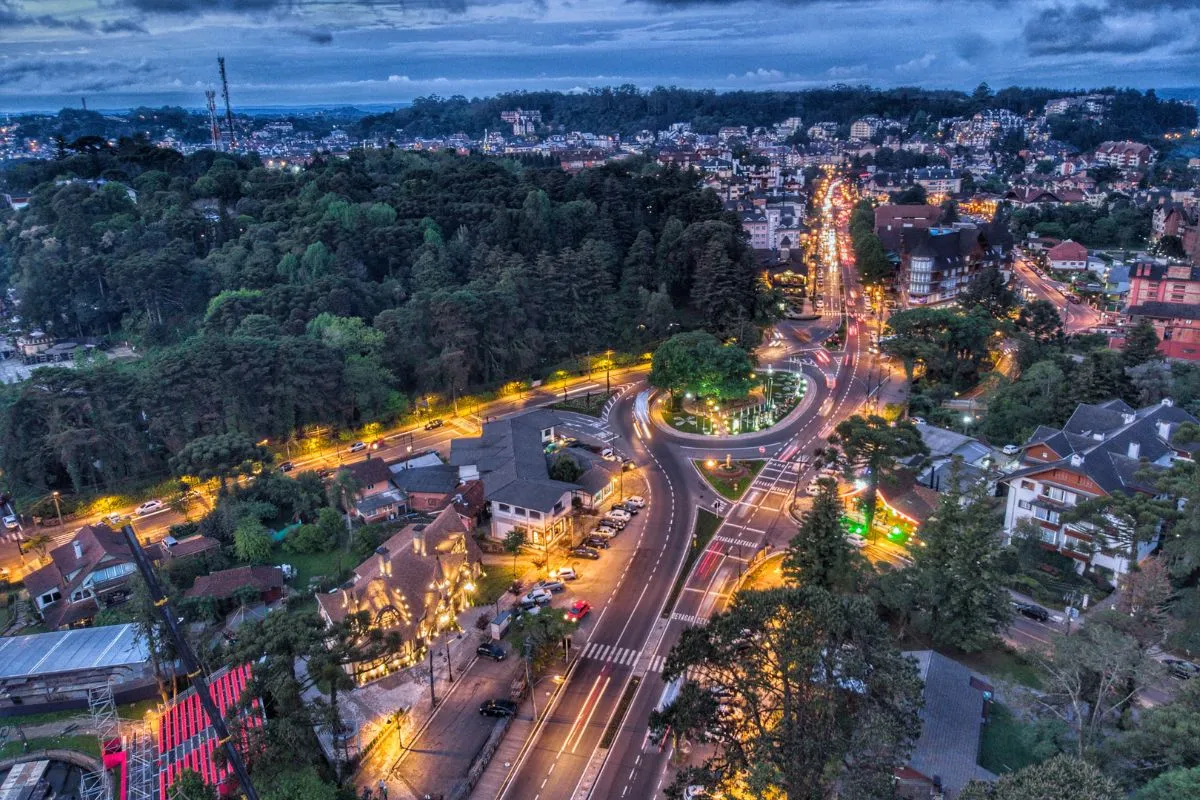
(690, 619)
(625, 656)
(738, 542)
(11, 536)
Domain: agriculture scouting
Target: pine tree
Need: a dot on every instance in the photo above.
(1141, 345)
(819, 555)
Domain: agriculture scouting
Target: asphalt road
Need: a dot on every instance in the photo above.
(1076, 317)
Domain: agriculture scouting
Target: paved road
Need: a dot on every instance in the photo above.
(1076, 317)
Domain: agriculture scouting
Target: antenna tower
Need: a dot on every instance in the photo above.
(225, 96)
(214, 127)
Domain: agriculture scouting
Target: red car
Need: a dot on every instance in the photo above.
(579, 610)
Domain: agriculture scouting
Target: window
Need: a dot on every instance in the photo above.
(1046, 514)
(1028, 485)
(1060, 495)
(1049, 537)
(558, 506)
(520, 512)
(535, 514)
(504, 507)
(1025, 504)
(52, 596)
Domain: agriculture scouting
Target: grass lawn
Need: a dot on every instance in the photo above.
(590, 404)
(706, 527)
(128, 711)
(1008, 744)
(84, 744)
(493, 585)
(1002, 663)
(679, 420)
(735, 488)
(313, 565)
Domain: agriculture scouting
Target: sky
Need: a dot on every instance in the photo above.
(122, 53)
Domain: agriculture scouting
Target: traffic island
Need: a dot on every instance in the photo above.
(729, 478)
(707, 525)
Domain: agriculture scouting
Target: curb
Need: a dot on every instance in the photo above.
(801, 407)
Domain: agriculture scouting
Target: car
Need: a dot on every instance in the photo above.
(378, 444)
(536, 597)
(614, 522)
(287, 466)
(111, 520)
(604, 532)
(619, 513)
(149, 507)
(433, 424)
(813, 489)
(917, 420)
(1074, 299)
(608, 454)
(636, 500)
(1181, 669)
(358, 447)
(11, 522)
(578, 610)
(1010, 450)
(568, 441)
(627, 507)
(498, 708)
(628, 465)
(491, 650)
(598, 542)
(585, 552)
(856, 540)
(1032, 611)
(554, 587)
(564, 573)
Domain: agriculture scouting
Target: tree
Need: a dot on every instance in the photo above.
(1122, 520)
(873, 444)
(543, 635)
(218, 456)
(698, 363)
(344, 489)
(40, 543)
(188, 785)
(251, 542)
(960, 595)
(564, 467)
(1060, 778)
(514, 540)
(808, 682)
(1141, 345)
(988, 290)
(819, 555)
(1171, 785)
(1092, 677)
(302, 784)
(1164, 738)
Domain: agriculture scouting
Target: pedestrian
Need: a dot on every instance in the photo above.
(383, 790)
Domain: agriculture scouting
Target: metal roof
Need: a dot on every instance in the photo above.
(71, 651)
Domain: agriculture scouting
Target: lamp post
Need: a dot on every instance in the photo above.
(770, 384)
(449, 667)
(607, 370)
(429, 648)
(57, 509)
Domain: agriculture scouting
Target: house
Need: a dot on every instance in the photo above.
(1177, 326)
(413, 585)
(1102, 449)
(891, 220)
(954, 456)
(936, 264)
(172, 549)
(376, 497)
(1124, 155)
(226, 584)
(84, 575)
(1068, 255)
(945, 757)
(1164, 283)
(1183, 222)
(510, 458)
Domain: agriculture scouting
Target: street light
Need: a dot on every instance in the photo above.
(607, 370)
(58, 509)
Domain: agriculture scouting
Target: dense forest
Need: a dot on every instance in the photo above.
(262, 300)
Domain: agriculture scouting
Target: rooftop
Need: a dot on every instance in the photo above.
(71, 651)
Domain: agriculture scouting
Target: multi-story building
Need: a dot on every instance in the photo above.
(1101, 450)
(1168, 297)
(1125, 155)
(1183, 222)
(823, 131)
(936, 264)
(863, 129)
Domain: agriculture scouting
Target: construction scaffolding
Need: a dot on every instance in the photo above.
(97, 785)
(142, 761)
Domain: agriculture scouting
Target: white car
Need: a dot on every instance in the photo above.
(11, 522)
(564, 574)
(636, 500)
(537, 597)
(813, 489)
(149, 507)
(358, 447)
(608, 454)
(856, 540)
(617, 513)
(1010, 450)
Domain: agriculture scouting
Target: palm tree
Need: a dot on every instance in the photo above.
(344, 488)
(39, 543)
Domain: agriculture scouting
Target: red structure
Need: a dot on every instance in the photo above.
(186, 739)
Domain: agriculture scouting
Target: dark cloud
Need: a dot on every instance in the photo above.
(1084, 29)
(199, 6)
(122, 26)
(970, 46)
(74, 76)
(315, 36)
(14, 15)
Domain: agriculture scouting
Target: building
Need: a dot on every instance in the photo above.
(186, 740)
(1177, 326)
(891, 220)
(414, 585)
(88, 573)
(823, 131)
(936, 264)
(945, 757)
(1124, 155)
(228, 584)
(510, 458)
(1099, 451)
(1068, 256)
(1177, 284)
(376, 497)
(863, 129)
(1182, 222)
(57, 669)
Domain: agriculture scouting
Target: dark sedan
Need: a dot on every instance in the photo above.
(498, 708)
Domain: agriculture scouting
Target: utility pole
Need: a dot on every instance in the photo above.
(225, 96)
(432, 696)
(449, 667)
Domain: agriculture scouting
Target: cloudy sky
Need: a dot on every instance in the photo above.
(288, 52)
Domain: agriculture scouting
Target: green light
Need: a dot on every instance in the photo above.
(895, 530)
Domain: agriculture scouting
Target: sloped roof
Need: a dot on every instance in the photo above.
(370, 471)
(99, 544)
(223, 584)
(434, 480)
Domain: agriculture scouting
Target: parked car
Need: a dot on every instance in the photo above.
(613, 522)
(287, 466)
(636, 500)
(149, 507)
(564, 573)
(554, 587)
(578, 610)
(536, 597)
(1010, 450)
(433, 424)
(1181, 669)
(917, 420)
(608, 454)
(585, 552)
(491, 650)
(604, 532)
(11, 522)
(628, 508)
(856, 540)
(358, 447)
(599, 542)
(113, 521)
(1031, 611)
(619, 513)
(498, 708)
(813, 489)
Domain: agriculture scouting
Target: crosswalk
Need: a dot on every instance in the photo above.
(690, 619)
(738, 542)
(625, 656)
(11, 536)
